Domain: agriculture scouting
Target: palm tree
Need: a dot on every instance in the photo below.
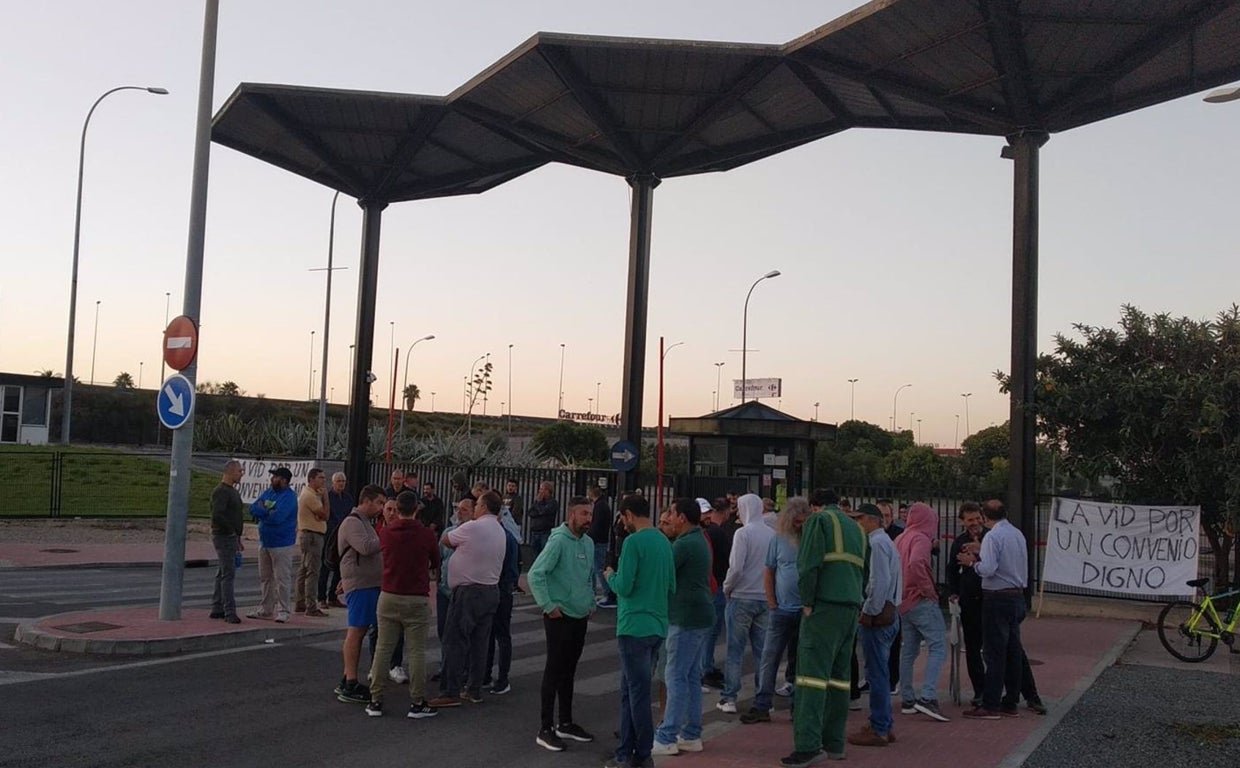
(412, 393)
(123, 381)
(46, 373)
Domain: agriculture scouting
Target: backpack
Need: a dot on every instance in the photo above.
(333, 554)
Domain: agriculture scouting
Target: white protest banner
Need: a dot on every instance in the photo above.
(1134, 550)
(257, 477)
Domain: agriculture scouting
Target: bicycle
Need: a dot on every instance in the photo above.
(1190, 630)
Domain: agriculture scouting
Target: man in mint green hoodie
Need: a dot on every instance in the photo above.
(561, 582)
(644, 581)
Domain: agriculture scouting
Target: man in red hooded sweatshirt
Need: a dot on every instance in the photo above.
(920, 614)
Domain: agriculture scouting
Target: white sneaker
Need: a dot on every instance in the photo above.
(398, 675)
(854, 705)
(784, 690)
(726, 706)
(664, 749)
(689, 745)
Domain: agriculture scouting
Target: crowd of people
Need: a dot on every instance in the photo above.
(837, 590)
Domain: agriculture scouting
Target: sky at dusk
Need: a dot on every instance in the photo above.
(895, 247)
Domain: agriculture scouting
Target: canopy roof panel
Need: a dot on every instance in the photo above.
(376, 146)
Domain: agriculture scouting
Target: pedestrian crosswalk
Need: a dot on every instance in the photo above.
(34, 592)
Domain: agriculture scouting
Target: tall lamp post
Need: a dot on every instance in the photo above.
(327, 319)
(852, 399)
(163, 366)
(816, 411)
(745, 332)
(404, 386)
(957, 431)
(894, 400)
(560, 405)
(310, 386)
(509, 389)
(94, 344)
(966, 396)
(658, 481)
(718, 382)
(66, 416)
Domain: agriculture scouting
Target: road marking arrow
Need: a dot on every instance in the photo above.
(177, 407)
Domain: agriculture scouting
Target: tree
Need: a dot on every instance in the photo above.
(46, 373)
(229, 389)
(1153, 405)
(123, 381)
(411, 396)
(572, 443)
(479, 386)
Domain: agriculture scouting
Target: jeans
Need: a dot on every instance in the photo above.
(566, 637)
(466, 632)
(601, 587)
(637, 656)
(406, 617)
(311, 548)
(1001, 618)
(782, 629)
(708, 658)
(501, 637)
(923, 622)
(876, 645)
(538, 540)
(683, 717)
(275, 577)
(746, 620)
(223, 600)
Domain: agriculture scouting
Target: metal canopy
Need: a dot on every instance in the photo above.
(1002, 67)
(382, 147)
(751, 419)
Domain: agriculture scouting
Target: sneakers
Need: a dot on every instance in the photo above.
(930, 708)
(419, 710)
(472, 698)
(548, 740)
(605, 604)
(689, 745)
(1011, 711)
(299, 607)
(499, 689)
(727, 707)
(232, 619)
(258, 614)
(755, 715)
(801, 759)
(864, 687)
(314, 613)
(281, 617)
(374, 709)
(785, 689)
(1036, 705)
(339, 689)
(443, 702)
(713, 680)
(854, 705)
(398, 675)
(659, 748)
(908, 707)
(866, 737)
(574, 732)
(216, 615)
(353, 692)
(980, 713)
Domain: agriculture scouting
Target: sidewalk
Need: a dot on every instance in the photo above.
(61, 555)
(1067, 654)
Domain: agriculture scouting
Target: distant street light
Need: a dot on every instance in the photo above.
(894, 400)
(67, 410)
(509, 389)
(815, 411)
(405, 384)
(852, 399)
(718, 372)
(94, 345)
(560, 406)
(966, 396)
(745, 332)
(658, 482)
(140, 364)
(957, 431)
(310, 387)
(919, 430)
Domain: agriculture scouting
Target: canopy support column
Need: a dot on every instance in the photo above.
(635, 319)
(364, 343)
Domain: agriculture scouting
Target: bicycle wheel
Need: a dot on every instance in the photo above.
(1178, 639)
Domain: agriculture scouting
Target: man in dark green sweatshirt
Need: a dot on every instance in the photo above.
(644, 580)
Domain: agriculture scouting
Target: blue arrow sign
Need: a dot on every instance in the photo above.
(175, 402)
(624, 456)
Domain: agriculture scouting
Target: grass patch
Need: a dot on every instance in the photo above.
(1208, 734)
(94, 482)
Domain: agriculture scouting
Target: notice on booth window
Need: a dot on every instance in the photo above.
(1125, 548)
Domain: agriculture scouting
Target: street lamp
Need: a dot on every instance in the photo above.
(815, 411)
(140, 364)
(404, 386)
(957, 431)
(73, 281)
(911, 414)
(590, 406)
(432, 402)
(658, 481)
(966, 396)
(94, 345)
(894, 400)
(598, 398)
(718, 372)
(919, 431)
(310, 386)
(560, 407)
(509, 389)
(852, 399)
(163, 365)
(327, 318)
(745, 330)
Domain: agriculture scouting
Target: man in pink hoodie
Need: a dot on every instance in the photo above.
(920, 614)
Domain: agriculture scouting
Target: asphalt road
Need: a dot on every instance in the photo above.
(265, 705)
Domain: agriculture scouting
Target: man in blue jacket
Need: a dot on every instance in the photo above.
(276, 513)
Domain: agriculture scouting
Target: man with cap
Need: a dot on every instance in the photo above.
(880, 621)
(276, 513)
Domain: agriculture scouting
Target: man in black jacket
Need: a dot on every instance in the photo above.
(600, 531)
(227, 526)
(543, 515)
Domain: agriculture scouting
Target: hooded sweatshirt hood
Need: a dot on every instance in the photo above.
(914, 547)
(747, 561)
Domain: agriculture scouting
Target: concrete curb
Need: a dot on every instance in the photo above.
(30, 634)
(8, 565)
(1017, 757)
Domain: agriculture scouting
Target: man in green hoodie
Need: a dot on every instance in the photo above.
(561, 582)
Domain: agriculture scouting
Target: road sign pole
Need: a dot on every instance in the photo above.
(173, 578)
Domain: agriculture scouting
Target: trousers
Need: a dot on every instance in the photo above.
(824, 653)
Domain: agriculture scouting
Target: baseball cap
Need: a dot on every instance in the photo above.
(868, 509)
(704, 505)
(282, 472)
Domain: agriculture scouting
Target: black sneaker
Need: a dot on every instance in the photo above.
(420, 710)
(499, 689)
(574, 732)
(930, 708)
(216, 615)
(755, 715)
(548, 740)
(713, 680)
(339, 689)
(1036, 705)
(232, 619)
(801, 759)
(472, 698)
(354, 693)
(374, 709)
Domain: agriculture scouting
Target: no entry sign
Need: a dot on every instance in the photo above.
(180, 343)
